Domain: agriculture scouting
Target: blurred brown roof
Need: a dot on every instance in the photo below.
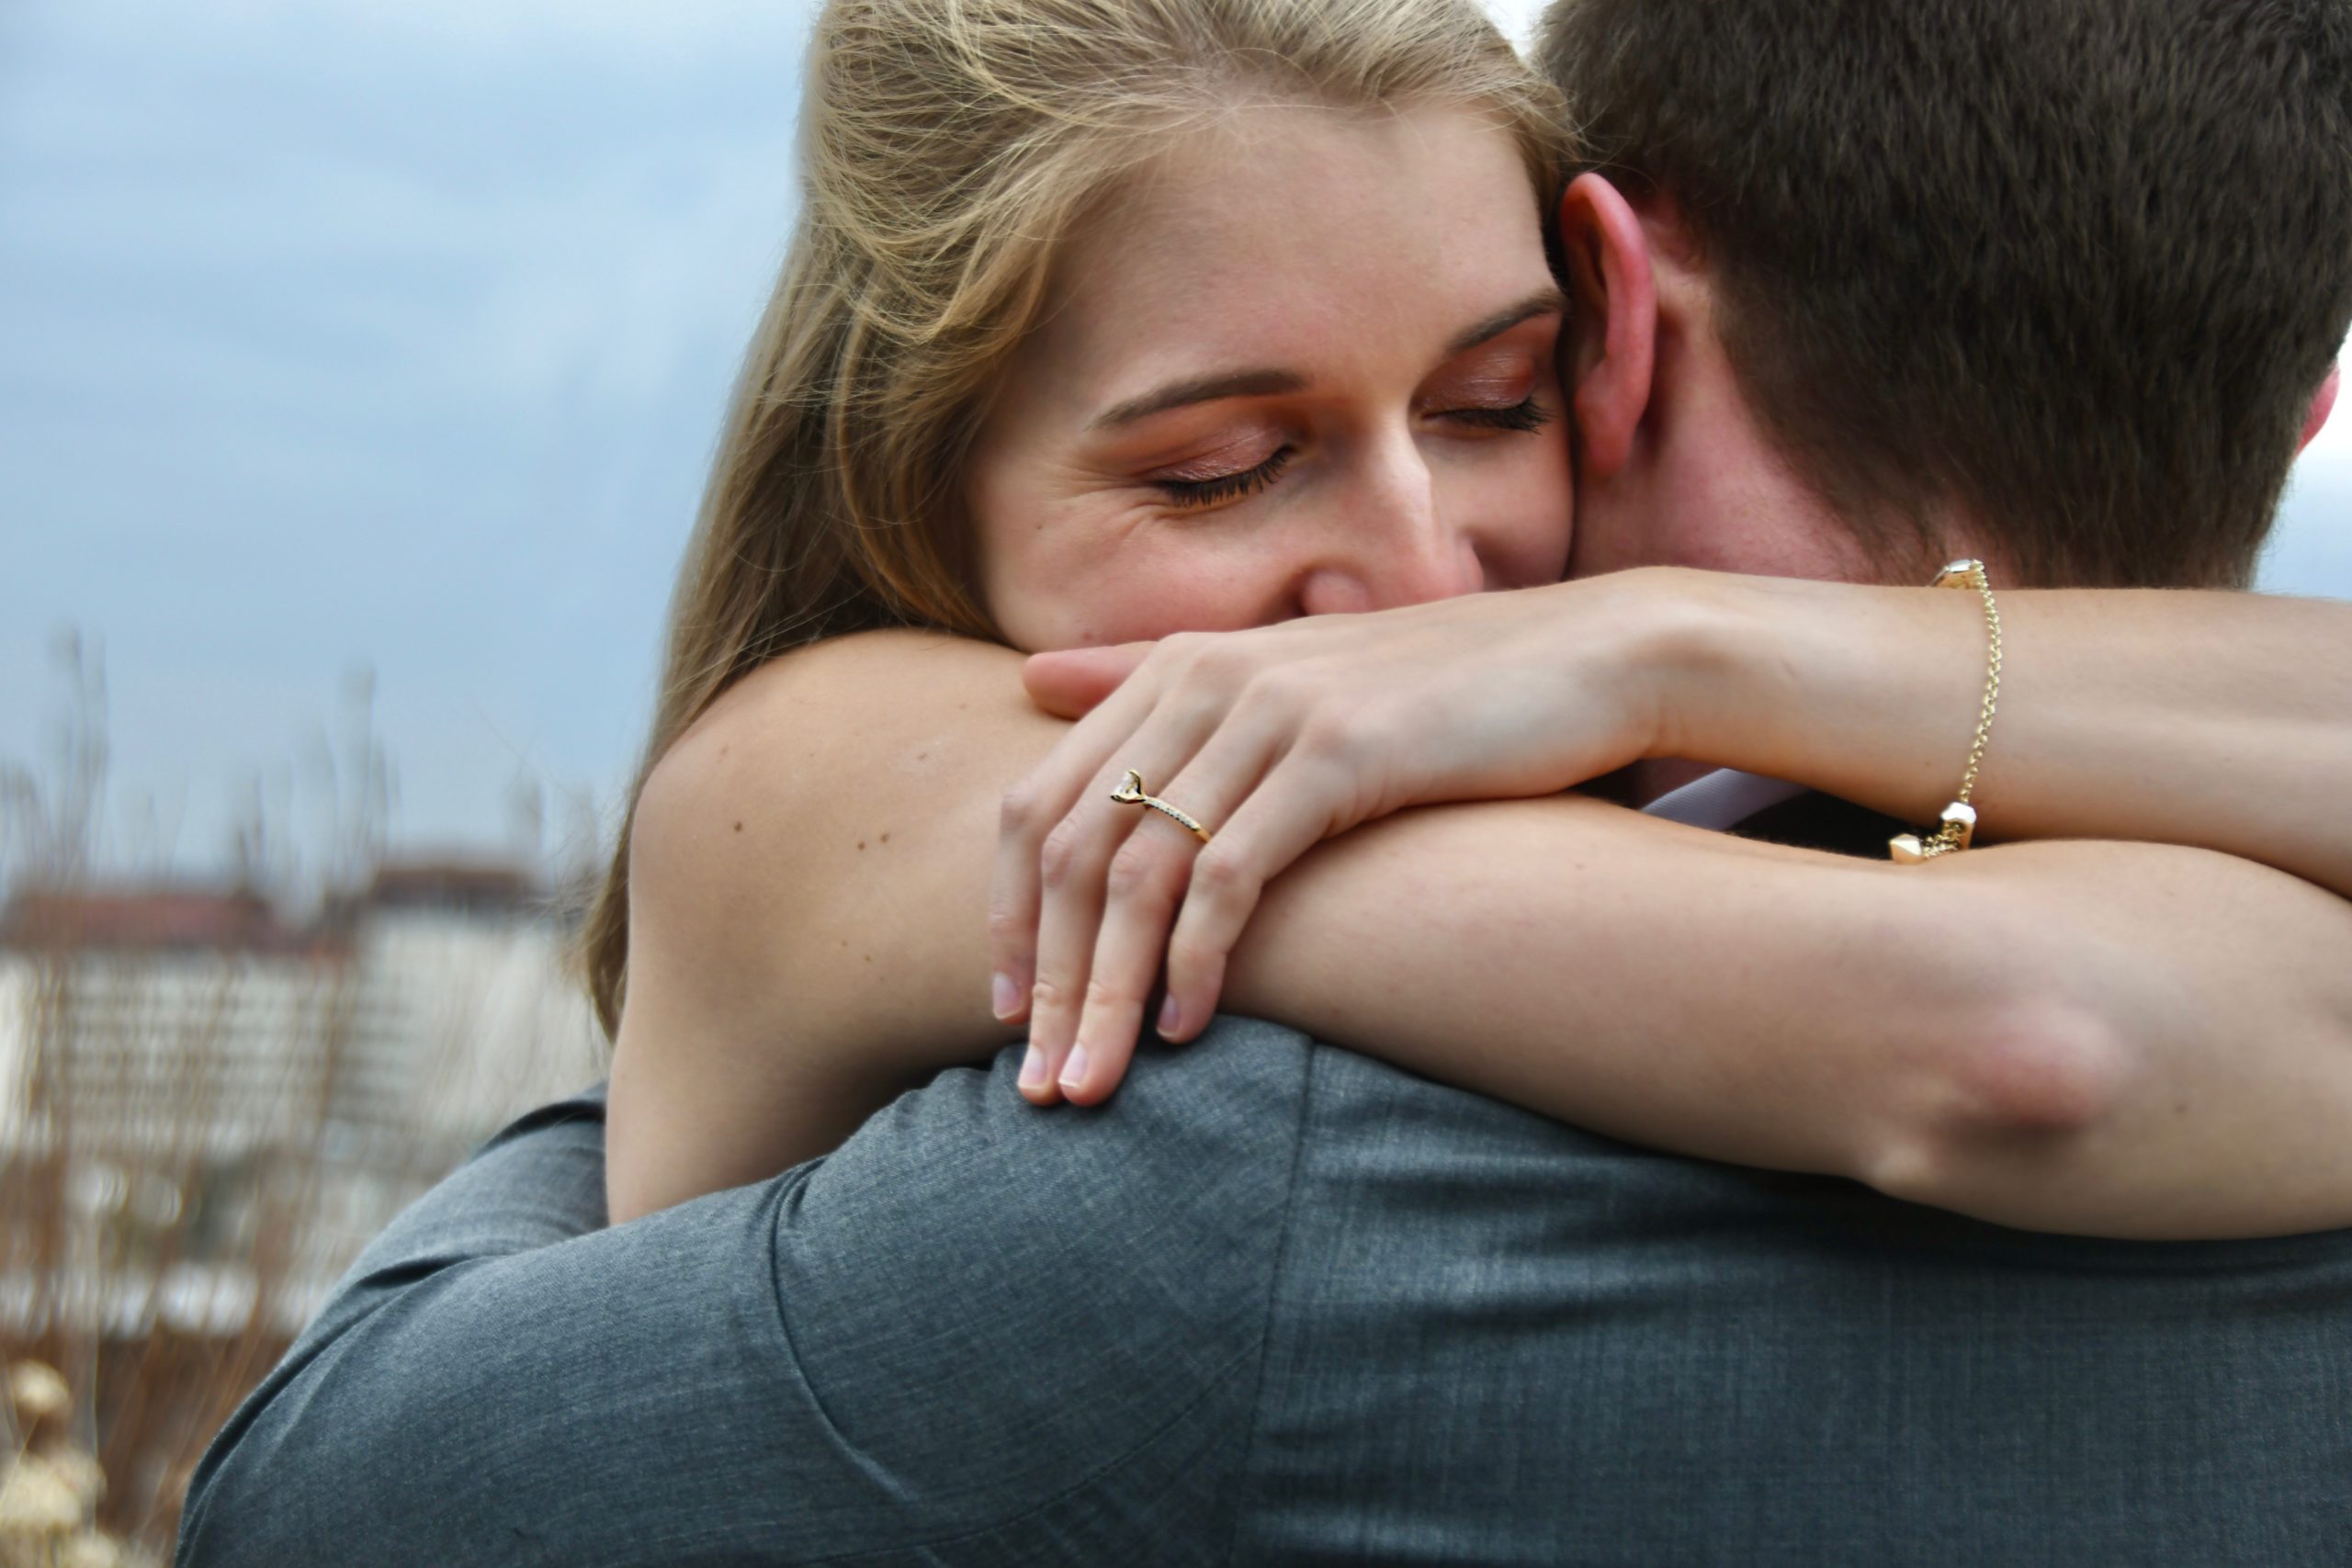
(166, 919)
(151, 919)
(459, 885)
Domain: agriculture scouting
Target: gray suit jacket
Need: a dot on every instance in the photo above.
(1278, 1302)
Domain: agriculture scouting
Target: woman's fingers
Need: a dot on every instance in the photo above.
(1144, 884)
(1070, 911)
(1031, 810)
(1146, 878)
(1071, 683)
(1072, 868)
(1300, 803)
(1012, 904)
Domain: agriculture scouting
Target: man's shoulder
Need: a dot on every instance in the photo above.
(1199, 1128)
(972, 1274)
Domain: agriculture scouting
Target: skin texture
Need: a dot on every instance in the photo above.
(2122, 1039)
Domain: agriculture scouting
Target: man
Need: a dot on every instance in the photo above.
(1281, 1302)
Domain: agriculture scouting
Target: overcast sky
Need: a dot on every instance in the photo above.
(341, 333)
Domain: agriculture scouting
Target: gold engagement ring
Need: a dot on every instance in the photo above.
(1131, 793)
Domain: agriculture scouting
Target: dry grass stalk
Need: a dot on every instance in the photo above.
(209, 1113)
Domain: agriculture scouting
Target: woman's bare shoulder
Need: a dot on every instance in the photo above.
(842, 797)
(851, 691)
(813, 724)
(800, 768)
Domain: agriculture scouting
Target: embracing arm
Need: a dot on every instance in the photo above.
(808, 907)
(2216, 719)
(2118, 1038)
(2212, 720)
(2220, 720)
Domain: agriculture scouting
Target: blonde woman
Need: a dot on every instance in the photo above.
(1111, 320)
(1279, 1301)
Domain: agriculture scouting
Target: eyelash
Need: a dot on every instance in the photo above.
(1225, 487)
(1520, 417)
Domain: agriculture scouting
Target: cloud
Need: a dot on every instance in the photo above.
(343, 332)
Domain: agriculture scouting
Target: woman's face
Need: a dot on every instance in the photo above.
(1305, 365)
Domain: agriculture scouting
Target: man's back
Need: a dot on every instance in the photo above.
(1279, 1303)
(1498, 1339)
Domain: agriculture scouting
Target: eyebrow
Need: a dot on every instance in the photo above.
(1547, 301)
(1202, 390)
(1271, 383)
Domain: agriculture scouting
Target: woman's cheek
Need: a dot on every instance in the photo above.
(1515, 503)
(1080, 575)
(1166, 583)
(1540, 508)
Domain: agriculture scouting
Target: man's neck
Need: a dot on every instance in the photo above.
(1705, 485)
(1729, 504)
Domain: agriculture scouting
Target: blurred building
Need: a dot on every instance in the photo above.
(206, 1109)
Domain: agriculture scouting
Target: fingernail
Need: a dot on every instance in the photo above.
(1074, 1070)
(1032, 1069)
(1004, 996)
(1170, 1015)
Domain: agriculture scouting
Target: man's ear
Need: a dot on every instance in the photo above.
(1615, 325)
(2322, 404)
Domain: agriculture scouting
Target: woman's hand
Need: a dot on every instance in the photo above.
(1274, 739)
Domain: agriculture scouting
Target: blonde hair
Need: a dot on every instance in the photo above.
(949, 147)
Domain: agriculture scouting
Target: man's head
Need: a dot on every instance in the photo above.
(2055, 281)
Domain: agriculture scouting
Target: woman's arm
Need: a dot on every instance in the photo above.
(2217, 720)
(2122, 1039)
(2221, 721)
(2115, 1039)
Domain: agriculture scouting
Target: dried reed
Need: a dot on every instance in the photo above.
(206, 1111)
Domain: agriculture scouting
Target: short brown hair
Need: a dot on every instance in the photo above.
(2076, 266)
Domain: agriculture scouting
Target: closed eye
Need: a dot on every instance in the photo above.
(1525, 415)
(1225, 487)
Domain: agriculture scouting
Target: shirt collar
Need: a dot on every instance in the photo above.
(1721, 799)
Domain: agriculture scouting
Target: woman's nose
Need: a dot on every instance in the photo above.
(1391, 543)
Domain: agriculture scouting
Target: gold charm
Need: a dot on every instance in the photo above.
(1959, 830)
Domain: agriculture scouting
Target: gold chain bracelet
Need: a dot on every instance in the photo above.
(1960, 817)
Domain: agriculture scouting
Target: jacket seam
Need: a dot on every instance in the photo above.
(1241, 1481)
(881, 1474)
(994, 1526)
